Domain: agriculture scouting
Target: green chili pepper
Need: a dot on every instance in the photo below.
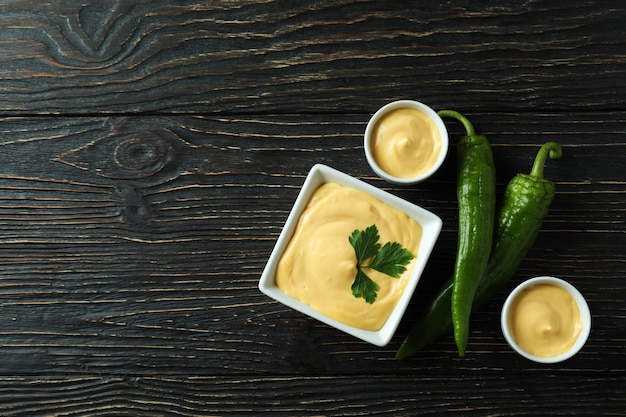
(525, 203)
(476, 195)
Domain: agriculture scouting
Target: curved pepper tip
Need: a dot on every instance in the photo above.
(555, 151)
(469, 127)
(551, 149)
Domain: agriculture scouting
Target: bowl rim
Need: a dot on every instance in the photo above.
(318, 175)
(398, 104)
(583, 308)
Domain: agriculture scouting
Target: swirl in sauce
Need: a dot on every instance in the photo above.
(405, 143)
(545, 320)
(319, 264)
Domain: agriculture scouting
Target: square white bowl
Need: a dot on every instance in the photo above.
(321, 174)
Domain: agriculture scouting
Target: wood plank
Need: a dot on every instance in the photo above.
(150, 265)
(68, 57)
(472, 392)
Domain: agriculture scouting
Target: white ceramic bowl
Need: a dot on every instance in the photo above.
(320, 174)
(367, 141)
(583, 308)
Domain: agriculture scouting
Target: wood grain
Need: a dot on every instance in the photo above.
(150, 153)
(259, 56)
(313, 396)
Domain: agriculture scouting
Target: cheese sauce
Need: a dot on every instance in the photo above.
(406, 143)
(545, 320)
(318, 266)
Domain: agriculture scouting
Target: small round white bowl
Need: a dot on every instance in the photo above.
(443, 133)
(583, 308)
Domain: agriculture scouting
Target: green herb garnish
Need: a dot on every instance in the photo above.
(390, 259)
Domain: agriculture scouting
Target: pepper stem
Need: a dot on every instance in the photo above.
(469, 128)
(549, 148)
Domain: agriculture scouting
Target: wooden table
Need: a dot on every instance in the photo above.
(151, 152)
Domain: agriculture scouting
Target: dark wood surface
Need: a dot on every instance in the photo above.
(150, 152)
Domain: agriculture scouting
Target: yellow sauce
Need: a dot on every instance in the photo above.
(319, 265)
(405, 143)
(545, 320)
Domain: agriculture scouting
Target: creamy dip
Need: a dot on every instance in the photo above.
(318, 266)
(406, 142)
(545, 320)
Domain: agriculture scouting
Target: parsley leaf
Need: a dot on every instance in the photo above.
(365, 243)
(364, 287)
(390, 259)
